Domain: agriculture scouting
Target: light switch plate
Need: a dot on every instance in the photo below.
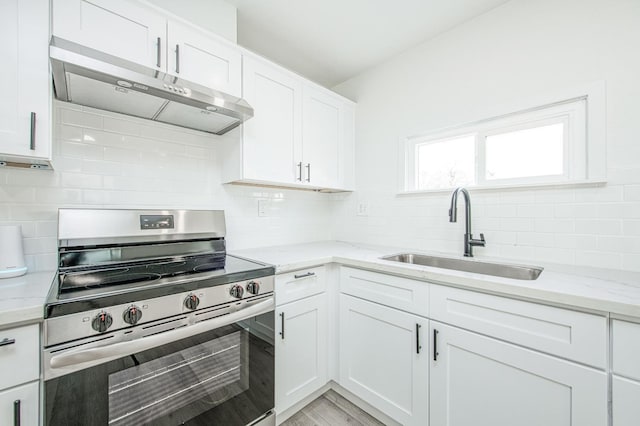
(262, 208)
(363, 209)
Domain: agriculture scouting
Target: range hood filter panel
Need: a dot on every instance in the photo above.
(101, 95)
(196, 118)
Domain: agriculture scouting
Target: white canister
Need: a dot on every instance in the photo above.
(11, 252)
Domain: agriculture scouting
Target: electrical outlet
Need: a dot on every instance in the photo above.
(262, 208)
(363, 209)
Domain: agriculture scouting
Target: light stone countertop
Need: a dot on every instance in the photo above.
(617, 292)
(22, 298)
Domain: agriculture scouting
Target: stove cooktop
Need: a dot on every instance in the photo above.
(78, 291)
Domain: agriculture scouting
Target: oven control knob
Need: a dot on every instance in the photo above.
(191, 302)
(132, 315)
(253, 287)
(237, 291)
(102, 322)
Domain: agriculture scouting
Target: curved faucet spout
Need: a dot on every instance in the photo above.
(469, 241)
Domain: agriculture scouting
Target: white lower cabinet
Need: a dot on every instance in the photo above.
(626, 373)
(19, 405)
(301, 349)
(626, 402)
(480, 381)
(384, 359)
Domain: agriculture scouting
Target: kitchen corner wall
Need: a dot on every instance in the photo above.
(106, 160)
(513, 52)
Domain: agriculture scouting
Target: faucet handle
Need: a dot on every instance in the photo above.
(482, 237)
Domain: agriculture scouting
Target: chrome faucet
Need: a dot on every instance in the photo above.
(469, 241)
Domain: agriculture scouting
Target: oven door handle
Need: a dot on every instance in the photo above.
(117, 350)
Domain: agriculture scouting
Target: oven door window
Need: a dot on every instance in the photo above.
(223, 376)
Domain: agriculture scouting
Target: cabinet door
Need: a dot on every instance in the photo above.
(323, 133)
(270, 137)
(22, 399)
(380, 360)
(477, 380)
(301, 350)
(24, 78)
(626, 396)
(203, 59)
(117, 27)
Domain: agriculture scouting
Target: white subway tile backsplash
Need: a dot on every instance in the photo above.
(80, 118)
(103, 159)
(599, 226)
(69, 133)
(632, 192)
(79, 150)
(120, 126)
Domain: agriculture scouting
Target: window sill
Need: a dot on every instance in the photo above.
(510, 187)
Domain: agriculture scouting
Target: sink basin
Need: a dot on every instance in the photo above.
(517, 272)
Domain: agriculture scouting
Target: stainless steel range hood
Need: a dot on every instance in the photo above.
(87, 77)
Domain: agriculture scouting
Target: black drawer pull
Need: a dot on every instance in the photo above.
(308, 274)
(418, 347)
(282, 325)
(16, 413)
(435, 345)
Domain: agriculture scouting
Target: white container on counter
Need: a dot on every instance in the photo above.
(11, 252)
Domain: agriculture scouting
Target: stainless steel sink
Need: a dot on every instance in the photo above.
(518, 272)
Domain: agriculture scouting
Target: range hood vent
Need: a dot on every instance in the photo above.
(87, 77)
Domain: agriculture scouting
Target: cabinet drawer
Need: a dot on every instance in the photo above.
(19, 355)
(400, 293)
(626, 349)
(573, 335)
(299, 284)
(23, 398)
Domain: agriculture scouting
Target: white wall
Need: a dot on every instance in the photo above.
(513, 52)
(107, 160)
(216, 16)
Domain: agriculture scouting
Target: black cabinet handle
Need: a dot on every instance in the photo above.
(282, 325)
(300, 171)
(32, 138)
(7, 341)
(308, 274)
(418, 347)
(16, 413)
(435, 344)
(308, 172)
(177, 59)
(158, 53)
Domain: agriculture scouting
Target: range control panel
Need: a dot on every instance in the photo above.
(156, 221)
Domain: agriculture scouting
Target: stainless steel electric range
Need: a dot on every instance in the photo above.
(151, 322)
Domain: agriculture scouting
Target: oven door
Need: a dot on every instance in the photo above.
(224, 375)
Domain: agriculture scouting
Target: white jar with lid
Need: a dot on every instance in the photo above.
(11, 252)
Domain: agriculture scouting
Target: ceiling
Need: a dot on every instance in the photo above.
(330, 41)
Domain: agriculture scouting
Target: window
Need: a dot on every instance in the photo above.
(542, 145)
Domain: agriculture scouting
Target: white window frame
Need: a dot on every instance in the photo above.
(584, 151)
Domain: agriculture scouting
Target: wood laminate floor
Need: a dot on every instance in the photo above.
(331, 409)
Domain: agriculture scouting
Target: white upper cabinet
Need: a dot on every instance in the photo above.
(199, 58)
(301, 135)
(323, 135)
(270, 137)
(24, 81)
(146, 37)
(117, 27)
